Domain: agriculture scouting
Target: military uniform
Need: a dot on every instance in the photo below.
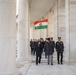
(60, 49)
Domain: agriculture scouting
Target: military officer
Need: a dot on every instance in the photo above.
(59, 49)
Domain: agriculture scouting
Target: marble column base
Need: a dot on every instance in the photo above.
(22, 61)
(14, 73)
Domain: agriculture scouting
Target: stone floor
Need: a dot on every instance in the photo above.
(44, 69)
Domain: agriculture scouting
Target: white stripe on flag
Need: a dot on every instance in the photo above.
(43, 24)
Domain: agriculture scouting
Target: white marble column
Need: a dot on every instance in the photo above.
(37, 34)
(51, 23)
(32, 32)
(43, 33)
(61, 26)
(71, 29)
(67, 15)
(55, 21)
(7, 37)
(23, 31)
(61, 19)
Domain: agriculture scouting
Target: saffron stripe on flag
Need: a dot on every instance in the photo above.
(36, 22)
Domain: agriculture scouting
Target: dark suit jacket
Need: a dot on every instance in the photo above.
(60, 46)
(53, 42)
(48, 48)
(38, 49)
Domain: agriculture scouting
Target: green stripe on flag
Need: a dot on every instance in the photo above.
(41, 27)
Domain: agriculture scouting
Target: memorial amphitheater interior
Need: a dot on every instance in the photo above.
(17, 28)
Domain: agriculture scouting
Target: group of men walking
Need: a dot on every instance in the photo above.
(47, 46)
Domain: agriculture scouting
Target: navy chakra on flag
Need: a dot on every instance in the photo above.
(40, 24)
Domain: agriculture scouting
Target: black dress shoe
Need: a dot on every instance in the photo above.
(36, 63)
(51, 64)
(39, 62)
(58, 63)
(62, 63)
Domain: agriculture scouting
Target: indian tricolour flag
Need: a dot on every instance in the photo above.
(41, 24)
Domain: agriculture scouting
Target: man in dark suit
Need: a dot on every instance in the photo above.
(45, 47)
(35, 43)
(49, 51)
(53, 42)
(38, 52)
(32, 46)
(42, 43)
(59, 49)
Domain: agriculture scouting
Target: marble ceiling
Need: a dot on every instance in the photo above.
(38, 8)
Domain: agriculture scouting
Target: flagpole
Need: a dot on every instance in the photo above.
(69, 32)
(40, 33)
(47, 31)
(47, 27)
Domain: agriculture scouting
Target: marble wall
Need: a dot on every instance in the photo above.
(51, 23)
(32, 32)
(73, 30)
(37, 34)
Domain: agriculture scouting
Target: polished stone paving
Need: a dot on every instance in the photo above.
(44, 69)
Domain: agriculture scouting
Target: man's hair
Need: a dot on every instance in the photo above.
(59, 37)
(48, 39)
(51, 38)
